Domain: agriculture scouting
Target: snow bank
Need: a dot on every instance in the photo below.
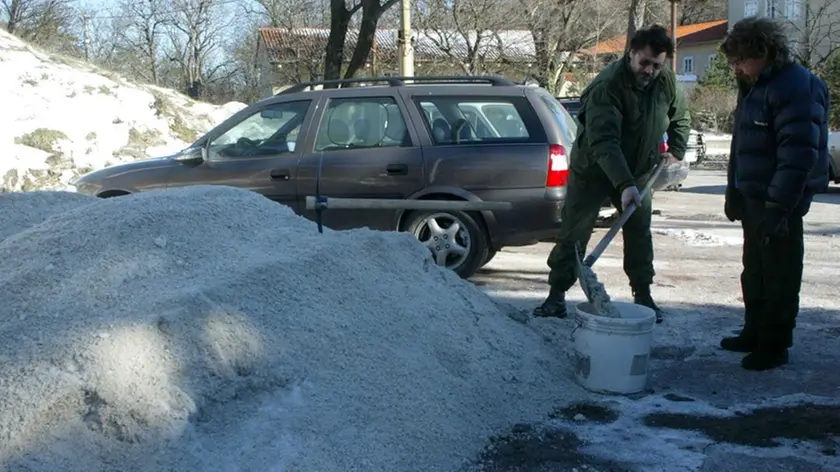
(62, 117)
(207, 328)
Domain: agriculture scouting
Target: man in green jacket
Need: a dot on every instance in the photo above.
(625, 112)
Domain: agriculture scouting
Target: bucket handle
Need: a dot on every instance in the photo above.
(578, 325)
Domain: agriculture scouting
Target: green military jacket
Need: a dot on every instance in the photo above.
(622, 124)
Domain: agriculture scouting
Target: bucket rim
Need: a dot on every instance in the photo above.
(584, 315)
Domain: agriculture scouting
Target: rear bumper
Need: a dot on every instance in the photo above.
(534, 217)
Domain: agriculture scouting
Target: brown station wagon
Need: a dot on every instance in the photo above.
(452, 138)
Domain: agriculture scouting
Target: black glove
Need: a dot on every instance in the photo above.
(733, 205)
(775, 223)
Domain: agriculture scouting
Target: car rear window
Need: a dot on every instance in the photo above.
(474, 120)
(562, 117)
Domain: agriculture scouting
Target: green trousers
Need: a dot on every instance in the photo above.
(580, 212)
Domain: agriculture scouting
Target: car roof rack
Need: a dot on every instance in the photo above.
(494, 80)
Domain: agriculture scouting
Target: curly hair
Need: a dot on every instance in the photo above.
(758, 38)
(656, 37)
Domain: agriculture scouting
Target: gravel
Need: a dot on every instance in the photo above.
(208, 328)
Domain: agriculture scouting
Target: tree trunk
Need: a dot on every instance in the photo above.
(334, 54)
(367, 30)
(635, 19)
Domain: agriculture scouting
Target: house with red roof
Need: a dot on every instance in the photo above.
(697, 47)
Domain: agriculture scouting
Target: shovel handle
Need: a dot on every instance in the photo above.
(625, 215)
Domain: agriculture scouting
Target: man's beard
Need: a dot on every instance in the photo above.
(644, 79)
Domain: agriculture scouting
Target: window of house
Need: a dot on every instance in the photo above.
(368, 122)
(750, 8)
(793, 10)
(770, 8)
(688, 65)
(270, 131)
(712, 58)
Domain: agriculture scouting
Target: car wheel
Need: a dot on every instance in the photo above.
(456, 240)
(490, 255)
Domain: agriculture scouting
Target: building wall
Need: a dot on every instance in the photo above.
(700, 55)
(824, 19)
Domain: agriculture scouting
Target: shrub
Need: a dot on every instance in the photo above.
(712, 109)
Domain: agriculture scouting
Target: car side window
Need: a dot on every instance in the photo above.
(271, 131)
(359, 123)
(475, 120)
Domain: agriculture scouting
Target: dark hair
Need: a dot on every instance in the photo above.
(758, 38)
(656, 37)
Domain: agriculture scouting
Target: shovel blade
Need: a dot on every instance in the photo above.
(582, 280)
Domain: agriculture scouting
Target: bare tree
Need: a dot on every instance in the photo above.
(45, 22)
(561, 29)
(635, 18)
(467, 32)
(288, 13)
(196, 35)
(341, 12)
(143, 25)
(699, 11)
(815, 32)
(372, 11)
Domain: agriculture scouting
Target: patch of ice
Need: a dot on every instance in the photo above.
(156, 333)
(698, 238)
(662, 449)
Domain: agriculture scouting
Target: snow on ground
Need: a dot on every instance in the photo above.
(149, 333)
(62, 117)
(698, 263)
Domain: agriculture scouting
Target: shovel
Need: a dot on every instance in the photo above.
(594, 290)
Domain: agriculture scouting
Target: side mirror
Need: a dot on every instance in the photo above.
(192, 156)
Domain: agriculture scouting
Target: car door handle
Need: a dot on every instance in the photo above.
(279, 174)
(396, 169)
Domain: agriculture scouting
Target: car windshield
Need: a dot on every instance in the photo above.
(565, 121)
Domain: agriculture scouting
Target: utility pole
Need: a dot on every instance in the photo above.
(674, 32)
(404, 40)
(85, 37)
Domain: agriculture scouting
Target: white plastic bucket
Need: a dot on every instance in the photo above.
(612, 353)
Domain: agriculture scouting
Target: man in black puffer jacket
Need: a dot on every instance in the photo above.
(778, 161)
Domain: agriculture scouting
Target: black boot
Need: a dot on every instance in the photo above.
(554, 306)
(641, 296)
(765, 358)
(747, 339)
(770, 350)
(739, 343)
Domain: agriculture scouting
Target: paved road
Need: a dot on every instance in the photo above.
(698, 266)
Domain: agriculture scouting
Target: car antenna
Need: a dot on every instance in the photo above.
(320, 202)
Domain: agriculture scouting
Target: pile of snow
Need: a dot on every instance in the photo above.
(62, 117)
(208, 328)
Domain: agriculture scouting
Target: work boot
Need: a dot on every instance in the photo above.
(641, 296)
(747, 339)
(765, 358)
(739, 343)
(554, 306)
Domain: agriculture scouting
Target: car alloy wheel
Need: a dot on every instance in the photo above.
(457, 240)
(446, 237)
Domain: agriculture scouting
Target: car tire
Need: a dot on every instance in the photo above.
(490, 255)
(470, 235)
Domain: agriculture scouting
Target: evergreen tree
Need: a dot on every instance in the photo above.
(831, 75)
(719, 76)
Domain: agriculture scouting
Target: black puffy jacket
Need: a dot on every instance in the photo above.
(780, 138)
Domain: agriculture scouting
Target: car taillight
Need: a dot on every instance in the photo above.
(558, 166)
